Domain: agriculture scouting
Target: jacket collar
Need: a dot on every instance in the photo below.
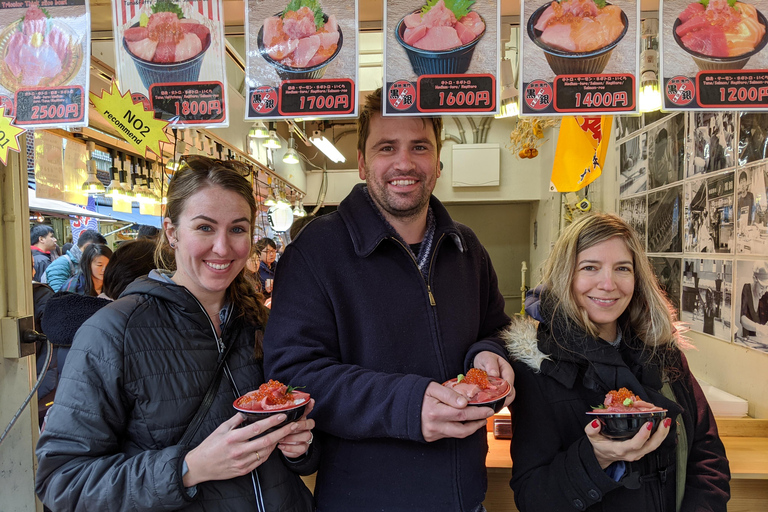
(36, 248)
(367, 228)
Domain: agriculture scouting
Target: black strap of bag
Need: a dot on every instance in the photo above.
(205, 405)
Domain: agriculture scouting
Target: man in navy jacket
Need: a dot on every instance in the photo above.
(378, 303)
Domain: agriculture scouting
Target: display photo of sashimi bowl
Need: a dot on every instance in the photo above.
(623, 414)
(38, 51)
(720, 36)
(272, 398)
(480, 389)
(438, 40)
(300, 44)
(167, 48)
(577, 36)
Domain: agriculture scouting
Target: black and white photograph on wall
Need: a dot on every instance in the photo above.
(751, 210)
(634, 211)
(665, 219)
(625, 126)
(706, 298)
(666, 151)
(709, 215)
(753, 137)
(750, 327)
(633, 166)
(667, 271)
(711, 135)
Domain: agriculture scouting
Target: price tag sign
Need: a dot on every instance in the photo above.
(138, 126)
(200, 103)
(312, 98)
(600, 93)
(9, 136)
(45, 106)
(467, 93)
(746, 89)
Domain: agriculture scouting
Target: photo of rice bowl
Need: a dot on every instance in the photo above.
(720, 34)
(577, 36)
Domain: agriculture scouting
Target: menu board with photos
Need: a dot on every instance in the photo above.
(714, 56)
(702, 213)
(170, 55)
(301, 58)
(579, 56)
(45, 50)
(441, 57)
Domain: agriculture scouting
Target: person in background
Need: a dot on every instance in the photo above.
(131, 260)
(604, 324)
(298, 225)
(43, 247)
(65, 267)
(150, 232)
(64, 248)
(754, 303)
(267, 249)
(90, 278)
(377, 304)
(144, 364)
(746, 201)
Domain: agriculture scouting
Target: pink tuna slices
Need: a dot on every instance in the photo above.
(167, 39)
(579, 25)
(34, 54)
(294, 40)
(624, 401)
(720, 30)
(498, 388)
(439, 30)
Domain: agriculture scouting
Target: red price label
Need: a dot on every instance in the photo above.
(192, 103)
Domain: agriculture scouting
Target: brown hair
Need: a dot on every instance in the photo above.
(649, 312)
(199, 173)
(372, 107)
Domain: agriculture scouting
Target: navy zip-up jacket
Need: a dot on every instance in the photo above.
(355, 321)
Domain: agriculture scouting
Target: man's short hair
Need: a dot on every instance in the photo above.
(743, 176)
(38, 231)
(90, 235)
(146, 231)
(372, 107)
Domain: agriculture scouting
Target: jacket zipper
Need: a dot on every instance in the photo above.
(432, 301)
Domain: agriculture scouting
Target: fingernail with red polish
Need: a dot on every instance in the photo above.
(667, 422)
(595, 423)
(649, 426)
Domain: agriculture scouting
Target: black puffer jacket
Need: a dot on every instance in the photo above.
(135, 376)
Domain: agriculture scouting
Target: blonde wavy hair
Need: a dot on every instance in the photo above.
(650, 313)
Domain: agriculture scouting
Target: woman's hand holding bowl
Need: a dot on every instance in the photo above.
(609, 451)
(297, 442)
(229, 452)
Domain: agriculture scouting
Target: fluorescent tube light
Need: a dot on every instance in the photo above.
(327, 147)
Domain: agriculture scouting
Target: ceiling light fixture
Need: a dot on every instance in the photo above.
(291, 156)
(650, 94)
(258, 131)
(272, 142)
(326, 147)
(92, 185)
(298, 209)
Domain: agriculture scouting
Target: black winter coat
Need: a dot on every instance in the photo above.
(134, 378)
(554, 465)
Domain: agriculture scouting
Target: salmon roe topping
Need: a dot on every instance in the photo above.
(477, 377)
(621, 395)
(268, 390)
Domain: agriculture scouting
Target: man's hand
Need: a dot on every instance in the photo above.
(444, 413)
(497, 366)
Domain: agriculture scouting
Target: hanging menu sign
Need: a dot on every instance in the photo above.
(45, 55)
(170, 55)
(713, 56)
(441, 57)
(301, 58)
(579, 56)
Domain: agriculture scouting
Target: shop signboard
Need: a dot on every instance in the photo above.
(45, 55)
(579, 57)
(713, 56)
(441, 57)
(301, 58)
(170, 56)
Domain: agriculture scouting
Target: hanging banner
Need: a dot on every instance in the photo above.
(49, 166)
(45, 55)
(441, 57)
(80, 224)
(171, 55)
(580, 153)
(713, 54)
(301, 58)
(579, 56)
(9, 136)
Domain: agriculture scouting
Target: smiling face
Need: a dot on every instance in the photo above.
(603, 283)
(400, 166)
(212, 242)
(98, 266)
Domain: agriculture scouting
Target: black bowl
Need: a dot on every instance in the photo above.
(624, 425)
(454, 61)
(564, 62)
(708, 63)
(292, 414)
(291, 73)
